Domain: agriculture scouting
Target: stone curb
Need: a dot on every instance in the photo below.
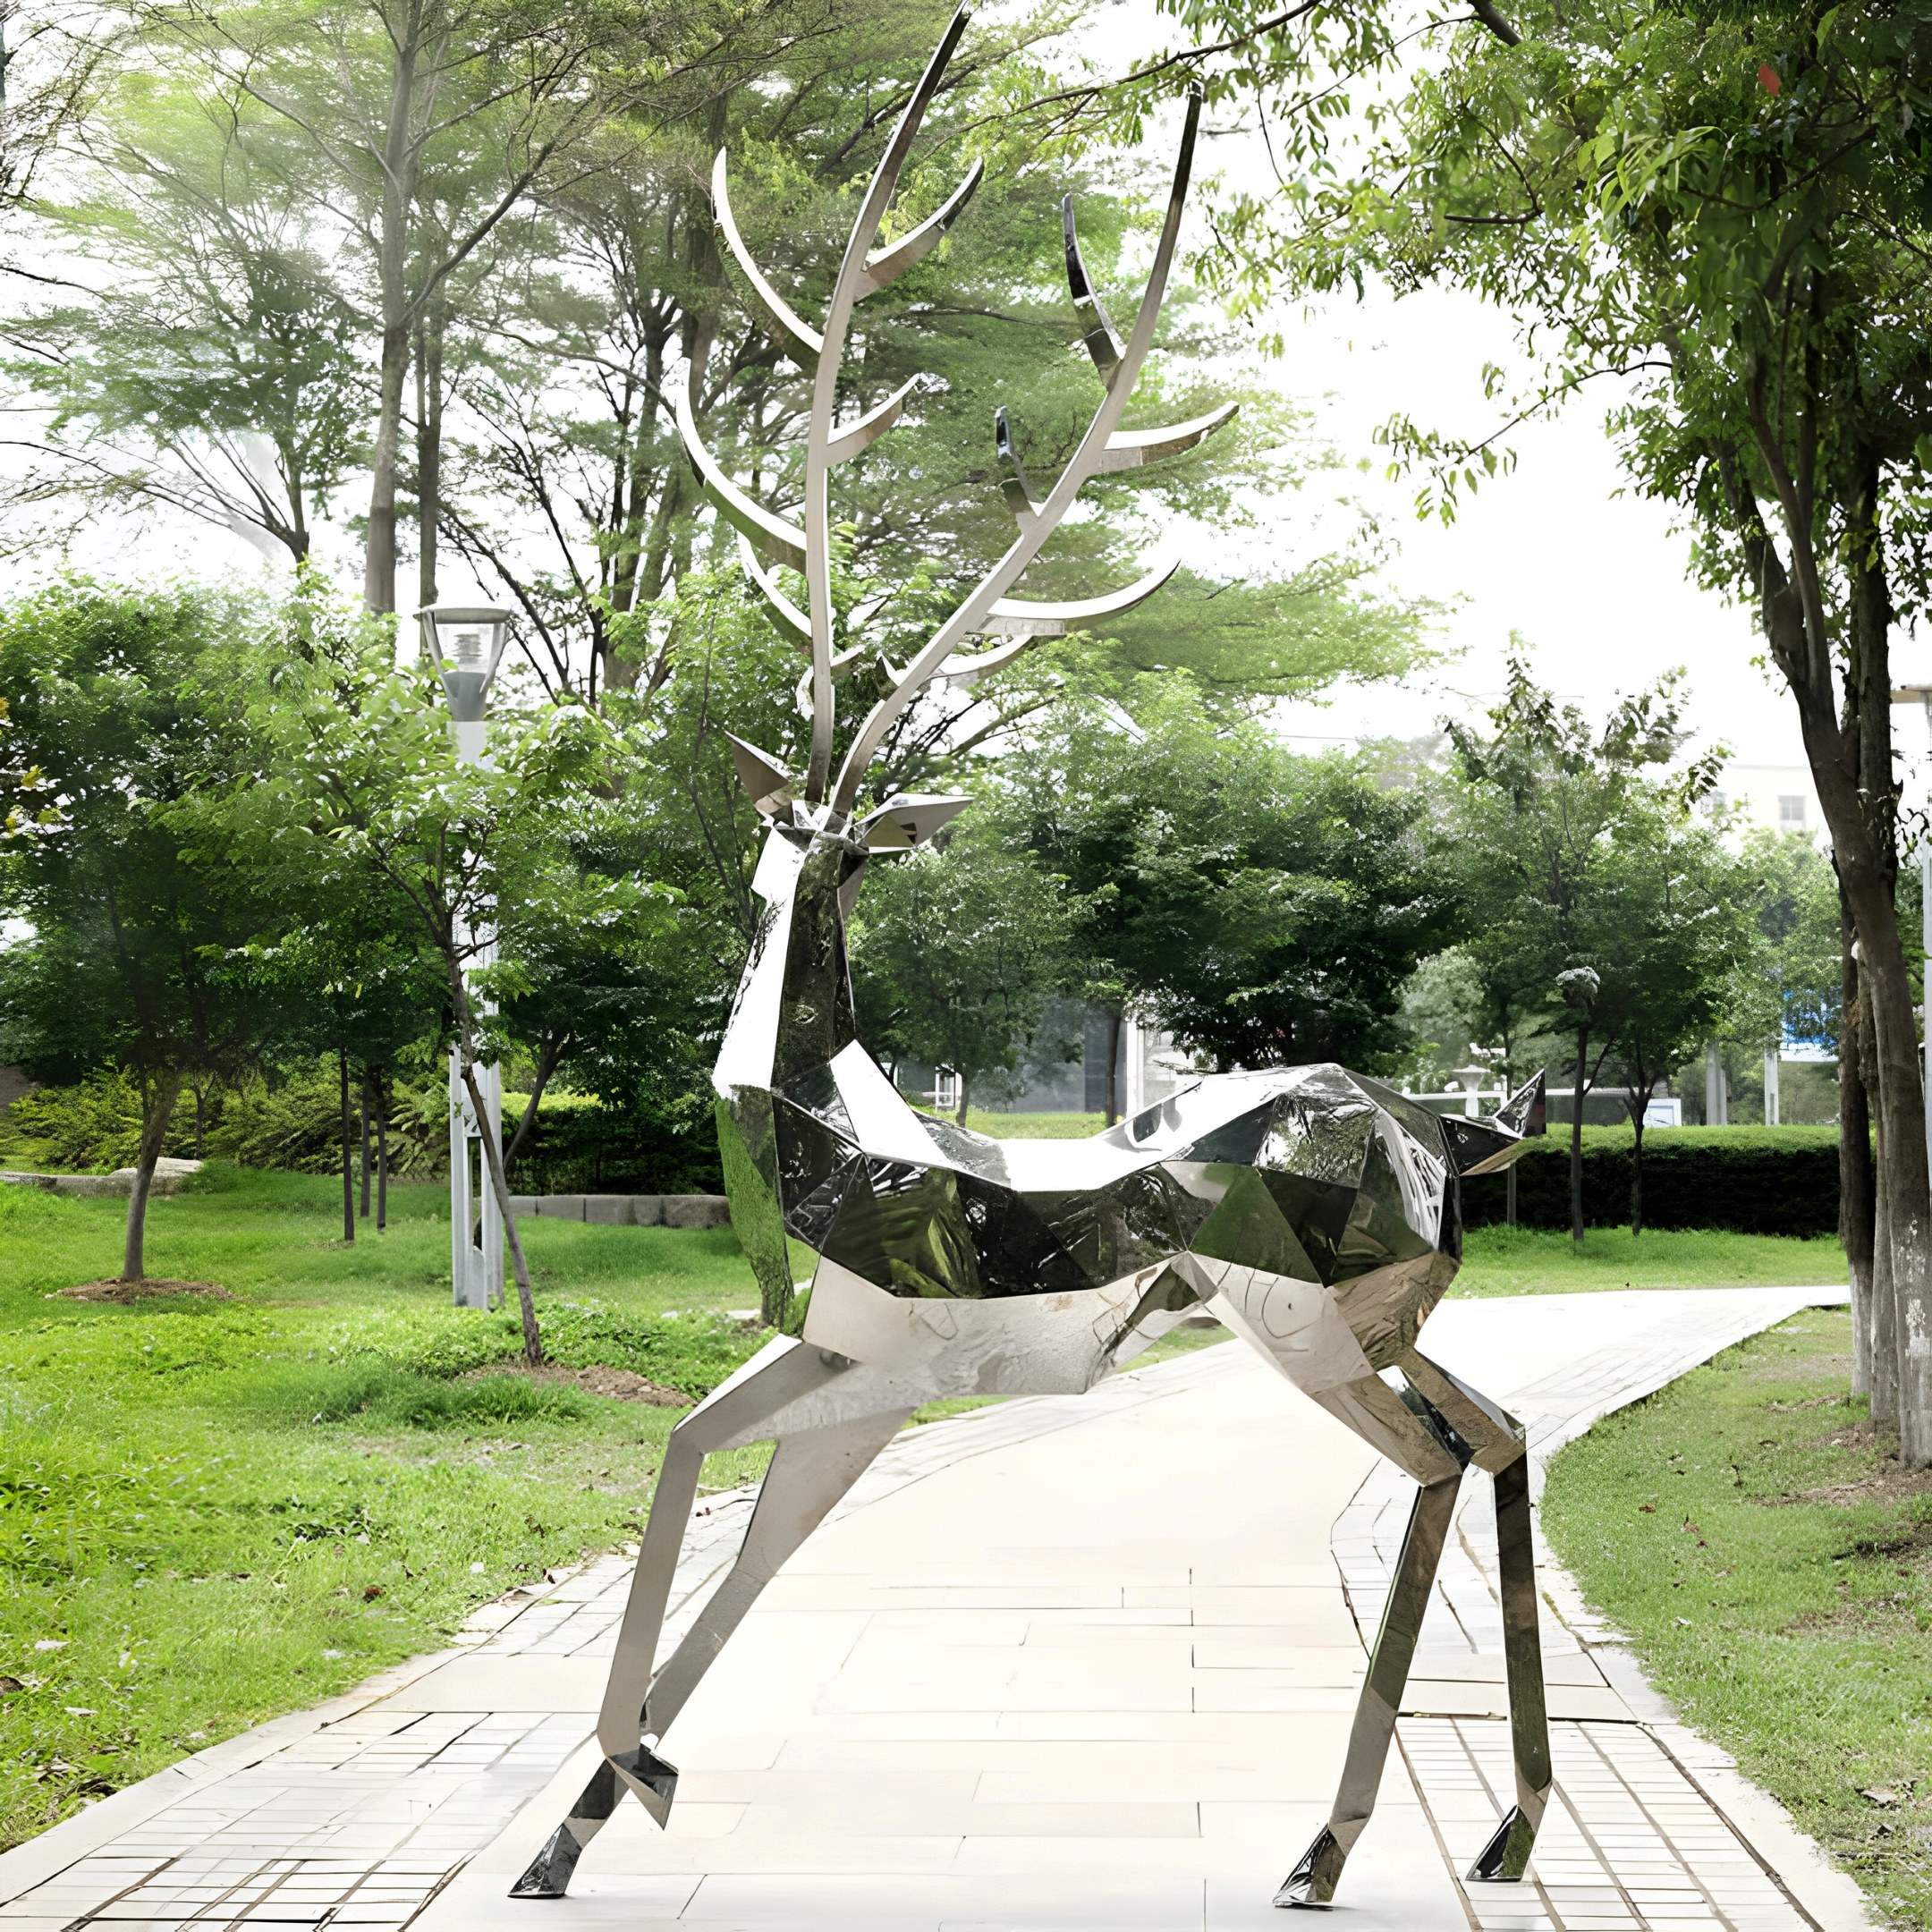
(627, 1210)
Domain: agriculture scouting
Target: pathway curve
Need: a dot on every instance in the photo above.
(1073, 1662)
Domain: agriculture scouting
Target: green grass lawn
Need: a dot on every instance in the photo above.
(1506, 1260)
(1773, 1566)
(222, 1509)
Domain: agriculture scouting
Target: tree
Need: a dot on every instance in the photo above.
(1725, 209)
(956, 951)
(1262, 906)
(119, 711)
(362, 795)
(1677, 946)
(211, 368)
(1544, 801)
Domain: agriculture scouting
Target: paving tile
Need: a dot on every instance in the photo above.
(1003, 1689)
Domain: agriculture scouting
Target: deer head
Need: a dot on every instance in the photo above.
(988, 627)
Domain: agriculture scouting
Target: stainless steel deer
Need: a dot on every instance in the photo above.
(1317, 1213)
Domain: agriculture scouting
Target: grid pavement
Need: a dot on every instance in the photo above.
(1067, 1661)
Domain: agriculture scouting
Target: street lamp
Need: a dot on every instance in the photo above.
(466, 643)
(1921, 695)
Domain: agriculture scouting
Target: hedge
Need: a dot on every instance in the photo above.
(579, 1146)
(1748, 1180)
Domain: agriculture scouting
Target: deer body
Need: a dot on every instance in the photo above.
(1315, 1211)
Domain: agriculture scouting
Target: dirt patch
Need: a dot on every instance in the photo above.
(621, 1384)
(126, 1293)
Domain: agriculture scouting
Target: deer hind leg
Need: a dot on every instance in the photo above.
(1414, 1437)
(810, 1472)
(1496, 1440)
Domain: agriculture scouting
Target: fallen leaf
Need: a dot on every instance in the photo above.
(1646, 1509)
(1882, 1795)
(9, 1685)
(51, 1643)
(371, 1591)
(1684, 1622)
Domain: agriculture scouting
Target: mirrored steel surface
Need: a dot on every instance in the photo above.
(1315, 1212)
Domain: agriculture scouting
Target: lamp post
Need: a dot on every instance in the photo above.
(466, 643)
(1921, 696)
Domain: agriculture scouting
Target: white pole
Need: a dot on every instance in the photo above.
(476, 1267)
(1772, 1103)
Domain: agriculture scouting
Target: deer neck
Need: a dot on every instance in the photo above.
(794, 1009)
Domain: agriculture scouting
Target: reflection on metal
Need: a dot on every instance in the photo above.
(1317, 1213)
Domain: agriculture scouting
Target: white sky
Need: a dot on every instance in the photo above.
(1593, 581)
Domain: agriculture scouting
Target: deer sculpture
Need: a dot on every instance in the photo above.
(1317, 1213)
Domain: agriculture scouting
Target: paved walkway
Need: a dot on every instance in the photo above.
(1065, 1663)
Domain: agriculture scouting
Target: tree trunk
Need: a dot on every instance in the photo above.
(959, 1113)
(546, 1064)
(200, 1120)
(382, 1154)
(391, 271)
(1576, 1137)
(379, 552)
(1902, 1291)
(364, 1213)
(1115, 1019)
(1857, 1207)
(154, 1116)
(429, 445)
(1638, 1104)
(348, 1164)
(493, 1160)
(1851, 766)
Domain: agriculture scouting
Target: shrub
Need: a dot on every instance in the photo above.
(1748, 1179)
(290, 1122)
(579, 1145)
(93, 1128)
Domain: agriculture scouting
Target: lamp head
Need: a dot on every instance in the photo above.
(466, 642)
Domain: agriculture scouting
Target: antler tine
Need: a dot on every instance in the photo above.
(1014, 484)
(885, 265)
(769, 534)
(1128, 449)
(822, 436)
(1096, 330)
(869, 427)
(800, 338)
(1026, 623)
(1020, 616)
(791, 619)
(970, 615)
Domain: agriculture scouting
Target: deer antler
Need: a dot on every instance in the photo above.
(768, 539)
(1102, 448)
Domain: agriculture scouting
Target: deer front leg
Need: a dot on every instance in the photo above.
(781, 1372)
(1313, 1880)
(1507, 1856)
(1497, 1441)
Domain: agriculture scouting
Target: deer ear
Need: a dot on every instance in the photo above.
(767, 782)
(901, 823)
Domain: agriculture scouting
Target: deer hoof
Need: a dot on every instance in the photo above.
(1311, 1884)
(548, 1875)
(1506, 1857)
